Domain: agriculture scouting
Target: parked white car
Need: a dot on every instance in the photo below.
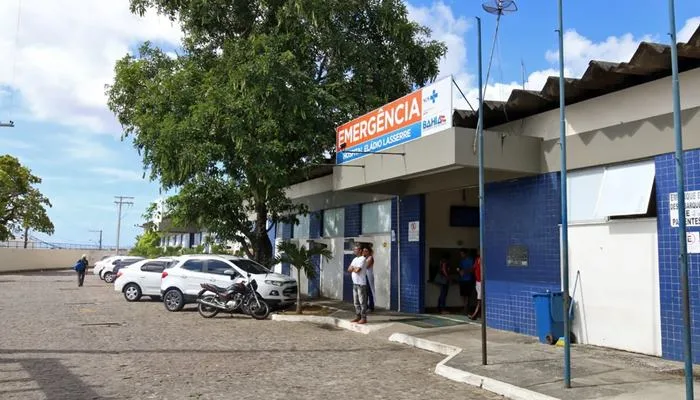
(108, 273)
(142, 278)
(181, 283)
(100, 265)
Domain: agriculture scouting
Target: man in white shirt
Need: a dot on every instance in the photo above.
(359, 286)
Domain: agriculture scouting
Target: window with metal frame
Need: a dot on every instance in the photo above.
(376, 217)
(334, 222)
(301, 230)
(601, 193)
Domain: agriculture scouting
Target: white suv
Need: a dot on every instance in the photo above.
(181, 283)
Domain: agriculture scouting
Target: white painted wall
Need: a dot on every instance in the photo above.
(617, 298)
(38, 259)
(440, 234)
(332, 270)
(630, 105)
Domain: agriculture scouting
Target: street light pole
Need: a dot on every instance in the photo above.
(564, 204)
(682, 231)
(482, 211)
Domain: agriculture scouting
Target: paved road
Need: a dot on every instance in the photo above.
(58, 341)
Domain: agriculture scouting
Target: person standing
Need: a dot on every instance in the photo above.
(81, 267)
(442, 279)
(477, 276)
(358, 269)
(369, 262)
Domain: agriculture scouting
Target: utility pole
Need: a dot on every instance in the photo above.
(100, 231)
(120, 202)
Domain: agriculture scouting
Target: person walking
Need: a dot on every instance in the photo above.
(358, 269)
(369, 262)
(81, 267)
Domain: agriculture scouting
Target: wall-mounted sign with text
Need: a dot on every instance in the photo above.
(692, 208)
(421, 113)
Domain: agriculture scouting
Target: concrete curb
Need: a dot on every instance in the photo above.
(337, 322)
(492, 385)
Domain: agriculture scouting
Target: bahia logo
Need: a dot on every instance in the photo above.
(434, 121)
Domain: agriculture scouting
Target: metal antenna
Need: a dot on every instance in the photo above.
(497, 7)
(500, 7)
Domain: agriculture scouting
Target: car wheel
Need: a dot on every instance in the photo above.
(132, 292)
(109, 277)
(173, 300)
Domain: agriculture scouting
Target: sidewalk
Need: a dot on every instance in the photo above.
(519, 366)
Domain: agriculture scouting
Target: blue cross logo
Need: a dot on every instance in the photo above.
(433, 96)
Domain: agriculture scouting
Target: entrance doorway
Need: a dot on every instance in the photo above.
(452, 223)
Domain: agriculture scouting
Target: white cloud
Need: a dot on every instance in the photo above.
(117, 175)
(64, 52)
(688, 29)
(579, 51)
(86, 147)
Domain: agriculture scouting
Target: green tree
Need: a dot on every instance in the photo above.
(33, 215)
(252, 100)
(22, 206)
(302, 259)
(147, 245)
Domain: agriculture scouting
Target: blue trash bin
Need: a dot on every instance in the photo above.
(549, 316)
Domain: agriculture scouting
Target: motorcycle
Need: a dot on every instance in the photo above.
(240, 296)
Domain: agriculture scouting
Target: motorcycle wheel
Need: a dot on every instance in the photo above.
(205, 310)
(258, 312)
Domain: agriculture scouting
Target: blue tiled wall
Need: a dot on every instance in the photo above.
(315, 223)
(525, 212)
(669, 267)
(412, 270)
(353, 224)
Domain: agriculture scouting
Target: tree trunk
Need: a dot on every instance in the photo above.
(26, 236)
(298, 291)
(263, 247)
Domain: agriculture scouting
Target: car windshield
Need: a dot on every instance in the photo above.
(250, 266)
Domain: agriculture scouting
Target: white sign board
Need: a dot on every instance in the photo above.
(693, 242)
(692, 208)
(413, 231)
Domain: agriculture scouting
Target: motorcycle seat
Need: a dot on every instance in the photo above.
(214, 288)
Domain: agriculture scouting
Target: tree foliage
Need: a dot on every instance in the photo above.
(254, 96)
(302, 259)
(22, 206)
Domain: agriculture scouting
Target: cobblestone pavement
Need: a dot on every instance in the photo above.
(58, 341)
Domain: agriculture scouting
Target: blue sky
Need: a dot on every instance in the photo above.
(53, 84)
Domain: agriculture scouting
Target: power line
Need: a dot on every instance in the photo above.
(121, 202)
